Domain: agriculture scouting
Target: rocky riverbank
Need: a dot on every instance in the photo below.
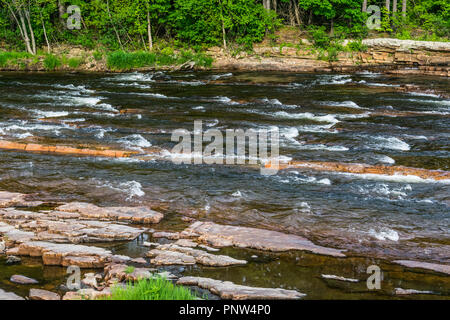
(384, 55)
(61, 235)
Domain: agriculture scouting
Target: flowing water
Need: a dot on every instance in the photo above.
(358, 118)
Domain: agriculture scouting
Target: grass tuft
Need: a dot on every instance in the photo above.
(151, 289)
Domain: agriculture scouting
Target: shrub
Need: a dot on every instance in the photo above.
(357, 46)
(51, 62)
(74, 62)
(97, 55)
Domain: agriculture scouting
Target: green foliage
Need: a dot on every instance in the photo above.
(74, 62)
(97, 55)
(51, 62)
(357, 46)
(8, 56)
(129, 269)
(151, 289)
(121, 60)
(320, 37)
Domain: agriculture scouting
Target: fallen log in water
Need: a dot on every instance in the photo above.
(357, 168)
(34, 147)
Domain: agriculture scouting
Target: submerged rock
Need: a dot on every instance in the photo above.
(38, 294)
(229, 290)
(13, 260)
(87, 294)
(19, 279)
(172, 254)
(9, 296)
(142, 215)
(243, 237)
(442, 268)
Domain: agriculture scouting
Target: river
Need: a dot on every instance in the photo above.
(353, 118)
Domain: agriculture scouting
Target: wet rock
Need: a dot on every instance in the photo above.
(167, 235)
(442, 268)
(172, 254)
(90, 280)
(56, 254)
(19, 279)
(186, 243)
(68, 230)
(13, 260)
(123, 272)
(358, 168)
(8, 199)
(66, 150)
(87, 294)
(139, 261)
(339, 278)
(229, 290)
(9, 296)
(243, 237)
(142, 215)
(402, 292)
(38, 294)
(120, 259)
(150, 244)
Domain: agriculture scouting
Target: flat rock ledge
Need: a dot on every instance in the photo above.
(172, 254)
(228, 290)
(142, 215)
(441, 268)
(244, 237)
(62, 227)
(38, 294)
(9, 296)
(55, 254)
(8, 199)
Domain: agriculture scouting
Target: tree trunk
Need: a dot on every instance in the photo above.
(297, 13)
(25, 32)
(404, 3)
(61, 12)
(388, 5)
(364, 6)
(30, 27)
(49, 49)
(274, 4)
(266, 4)
(291, 14)
(149, 32)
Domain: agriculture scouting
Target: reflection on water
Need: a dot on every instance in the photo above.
(349, 118)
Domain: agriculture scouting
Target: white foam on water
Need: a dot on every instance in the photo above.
(344, 104)
(384, 234)
(335, 79)
(225, 100)
(132, 77)
(408, 136)
(307, 116)
(198, 108)
(421, 94)
(318, 128)
(353, 116)
(385, 159)
(334, 277)
(50, 114)
(385, 191)
(78, 89)
(155, 95)
(374, 84)
(132, 189)
(22, 135)
(392, 143)
(213, 123)
(135, 142)
(237, 194)
(275, 102)
(218, 76)
(317, 147)
(393, 178)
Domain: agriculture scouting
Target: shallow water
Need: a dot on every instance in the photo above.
(322, 117)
